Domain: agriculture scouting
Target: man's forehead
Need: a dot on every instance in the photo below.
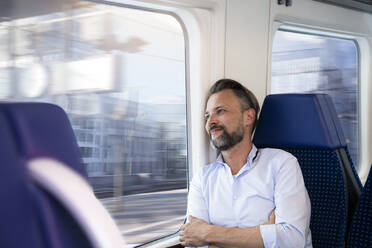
(224, 98)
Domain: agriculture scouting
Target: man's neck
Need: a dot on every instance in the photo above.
(236, 157)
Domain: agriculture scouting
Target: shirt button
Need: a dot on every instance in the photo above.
(235, 197)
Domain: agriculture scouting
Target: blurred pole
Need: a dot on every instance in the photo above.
(118, 173)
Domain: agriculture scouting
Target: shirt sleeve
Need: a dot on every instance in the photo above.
(196, 205)
(293, 209)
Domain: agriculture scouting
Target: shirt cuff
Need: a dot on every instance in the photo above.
(268, 234)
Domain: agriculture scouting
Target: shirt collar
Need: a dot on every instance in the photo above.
(252, 154)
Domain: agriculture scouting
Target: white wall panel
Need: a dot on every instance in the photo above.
(247, 32)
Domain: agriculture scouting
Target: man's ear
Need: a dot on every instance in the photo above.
(249, 117)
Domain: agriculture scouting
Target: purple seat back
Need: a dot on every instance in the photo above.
(33, 216)
(19, 226)
(43, 130)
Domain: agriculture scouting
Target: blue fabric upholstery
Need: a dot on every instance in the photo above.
(37, 130)
(360, 235)
(326, 188)
(19, 226)
(307, 126)
(43, 130)
(301, 120)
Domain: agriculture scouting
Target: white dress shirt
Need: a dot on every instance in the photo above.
(271, 179)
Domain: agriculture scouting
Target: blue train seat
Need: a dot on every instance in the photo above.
(360, 235)
(68, 214)
(307, 126)
(19, 225)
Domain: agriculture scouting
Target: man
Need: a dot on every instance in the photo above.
(233, 200)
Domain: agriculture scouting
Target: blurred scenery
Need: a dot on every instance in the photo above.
(119, 74)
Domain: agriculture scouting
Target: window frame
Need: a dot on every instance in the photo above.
(339, 37)
(340, 22)
(361, 43)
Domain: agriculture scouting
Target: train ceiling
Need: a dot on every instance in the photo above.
(16, 9)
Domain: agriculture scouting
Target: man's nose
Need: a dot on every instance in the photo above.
(212, 120)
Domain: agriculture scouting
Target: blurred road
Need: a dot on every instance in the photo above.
(144, 217)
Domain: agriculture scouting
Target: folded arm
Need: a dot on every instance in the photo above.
(199, 233)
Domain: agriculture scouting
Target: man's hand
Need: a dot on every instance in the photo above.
(194, 232)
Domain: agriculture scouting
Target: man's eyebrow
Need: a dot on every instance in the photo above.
(220, 106)
(216, 108)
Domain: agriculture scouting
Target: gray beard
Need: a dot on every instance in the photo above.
(226, 141)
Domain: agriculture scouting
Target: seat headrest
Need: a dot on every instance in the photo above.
(299, 120)
(43, 130)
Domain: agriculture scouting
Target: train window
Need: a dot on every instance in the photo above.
(119, 73)
(304, 63)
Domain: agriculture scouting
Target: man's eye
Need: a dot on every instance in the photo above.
(219, 111)
(206, 117)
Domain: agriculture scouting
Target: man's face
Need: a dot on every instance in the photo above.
(224, 120)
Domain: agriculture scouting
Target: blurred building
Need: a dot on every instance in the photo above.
(75, 58)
